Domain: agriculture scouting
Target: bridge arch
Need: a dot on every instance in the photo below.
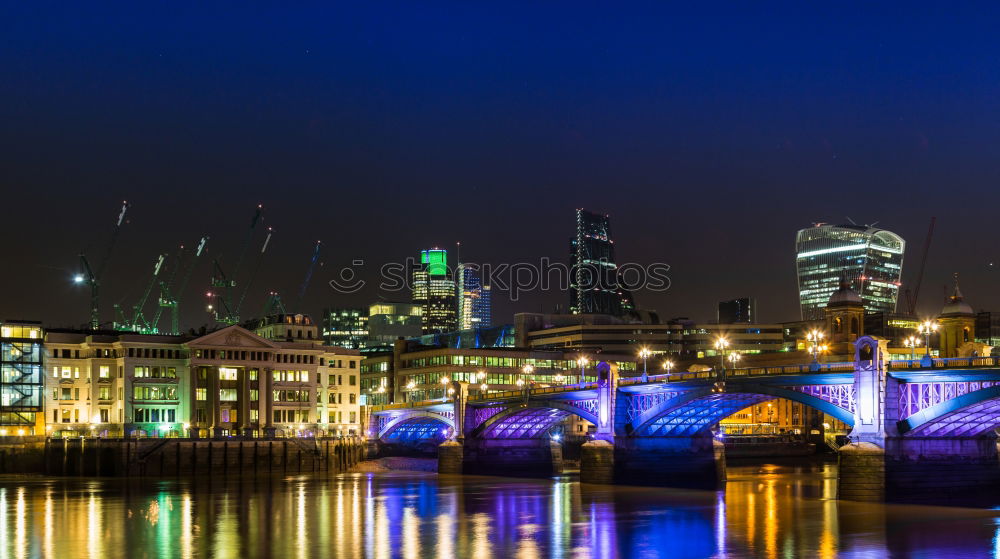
(970, 415)
(696, 411)
(415, 425)
(529, 420)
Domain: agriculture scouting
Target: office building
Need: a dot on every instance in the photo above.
(434, 292)
(870, 259)
(347, 327)
(473, 299)
(389, 321)
(594, 279)
(734, 311)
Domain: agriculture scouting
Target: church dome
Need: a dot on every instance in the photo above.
(844, 295)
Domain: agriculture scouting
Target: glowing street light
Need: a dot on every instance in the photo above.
(644, 353)
(912, 342)
(735, 358)
(667, 366)
(926, 328)
(815, 339)
(582, 362)
(78, 279)
(721, 345)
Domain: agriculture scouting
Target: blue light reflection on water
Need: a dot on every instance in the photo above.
(764, 512)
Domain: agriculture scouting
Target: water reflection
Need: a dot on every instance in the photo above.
(766, 511)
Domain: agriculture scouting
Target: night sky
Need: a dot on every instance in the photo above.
(709, 136)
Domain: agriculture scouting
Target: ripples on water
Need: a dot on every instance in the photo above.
(766, 511)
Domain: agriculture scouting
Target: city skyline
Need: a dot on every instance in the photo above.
(698, 150)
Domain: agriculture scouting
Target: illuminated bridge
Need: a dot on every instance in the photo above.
(914, 428)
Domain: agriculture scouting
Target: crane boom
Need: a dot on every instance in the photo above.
(224, 309)
(94, 279)
(137, 322)
(309, 273)
(912, 300)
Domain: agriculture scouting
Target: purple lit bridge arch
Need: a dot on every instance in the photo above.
(408, 426)
(527, 420)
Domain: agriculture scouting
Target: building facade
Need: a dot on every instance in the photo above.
(595, 285)
(434, 292)
(389, 321)
(346, 327)
(868, 258)
(412, 372)
(231, 382)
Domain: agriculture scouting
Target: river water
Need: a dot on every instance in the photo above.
(766, 511)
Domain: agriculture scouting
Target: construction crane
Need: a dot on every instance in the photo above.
(94, 279)
(224, 307)
(169, 299)
(137, 322)
(308, 278)
(273, 305)
(911, 297)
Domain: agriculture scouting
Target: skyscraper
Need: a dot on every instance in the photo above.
(594, 281)
(345, 327)
(434, 291)
(473, 299)
(870, 259)
(743, 309)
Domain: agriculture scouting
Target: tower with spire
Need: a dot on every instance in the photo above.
(958, 323)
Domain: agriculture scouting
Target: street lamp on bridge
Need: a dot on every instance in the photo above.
(644, 353)
(815, 339)
(912, 342)
(667, 365)
(926, 328)
(582, 362)
(721, 345)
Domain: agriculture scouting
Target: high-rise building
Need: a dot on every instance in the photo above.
(434, 291)
(473, 299)
(869, 259)
(21, 374)
(345, 327)
(739, 310)
(594, 281)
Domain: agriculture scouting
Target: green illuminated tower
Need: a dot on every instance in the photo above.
(434, 291)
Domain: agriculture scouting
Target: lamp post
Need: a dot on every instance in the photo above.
(644, 353)
(912, 342)
(527, 370)
(926, 328)
(582, 362)
(735, 358)
(721, 344)
(667, 365)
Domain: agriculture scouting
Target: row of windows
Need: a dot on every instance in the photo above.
(103, 393)
(154, 415)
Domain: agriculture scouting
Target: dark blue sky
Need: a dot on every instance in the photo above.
(709, 134)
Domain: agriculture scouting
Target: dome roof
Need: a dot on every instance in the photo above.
(844, 296)
(956, 305)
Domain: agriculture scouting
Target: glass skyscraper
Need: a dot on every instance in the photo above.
(473, 299)
(594, 285)
(434, 291)
(870, 259)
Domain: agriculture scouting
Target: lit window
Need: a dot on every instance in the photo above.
(226, 373)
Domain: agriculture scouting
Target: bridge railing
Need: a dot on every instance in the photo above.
(947, 363)
(533, 391)
(742, 372)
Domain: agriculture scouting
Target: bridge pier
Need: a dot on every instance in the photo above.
(512, 457)
(918, 469)
(697, 462)
(450, 457)
(597, 462)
